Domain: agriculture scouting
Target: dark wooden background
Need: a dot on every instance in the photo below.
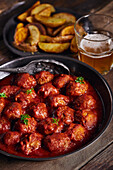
(98, 155)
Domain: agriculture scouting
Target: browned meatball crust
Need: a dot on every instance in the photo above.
(43, 77)
(76, 89)
(62, 80)
(50, 125)
(28, 127)
(11, 138)
(31, 143)
(13, 110)
(39, 111)
(59, 100)
(88, 118)
(25, 80)
(66, 114)
(77, 132)
(84, 102)
(47, 90)
(4, 125)
(25, 97)
(58, 142)
(9, 90)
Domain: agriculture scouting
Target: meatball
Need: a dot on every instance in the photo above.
(76, 88)
(4, 125)
(26, 125)
(31, 143)
(77, 132)
(25, 80)
(89, 119)
(3, 103)
(11, 138)
(62, 80)
(59, 100)
(9, 90)
(13, 110)
(66, 114)
(57, 142)
(50, 125)
(85, 102)
(43, 77)
(47, 89)
(39, 111)
(25, 97)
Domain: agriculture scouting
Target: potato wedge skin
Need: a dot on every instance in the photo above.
(25, 47)
(50, 21)
(40, 27)
(53, 47)
(23, 16)
(73, 46)
(20, 35)
(49, 31)
(45, 38)
(46, 12)
(58, 39)
(41, 7)
(58, 30)
(69, 17)
(34, 37)
(69, 30)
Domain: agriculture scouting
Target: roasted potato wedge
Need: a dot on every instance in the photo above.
(23, 16)
(57, 30)
(34, 37)
(58, 39)
(41, 7)
(26, 47)
(46, 12)
(62, 39)
(67, 16)
(30, 19)
(69, 30)
(20, 34)
(49, 31)
(50, 21)
(73, 46)
(53, 47)
(45, 38)
(20, 25)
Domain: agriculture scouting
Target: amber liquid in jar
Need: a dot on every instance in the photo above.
(97, 51)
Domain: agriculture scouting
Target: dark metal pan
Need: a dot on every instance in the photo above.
(80, 69)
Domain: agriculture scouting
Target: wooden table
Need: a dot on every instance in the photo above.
(99, 155)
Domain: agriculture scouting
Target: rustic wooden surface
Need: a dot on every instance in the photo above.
(99, 155)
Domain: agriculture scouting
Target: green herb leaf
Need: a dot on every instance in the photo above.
(3, 95)
(80, 80)
(29, 91)
(23, 117)
(55, 121)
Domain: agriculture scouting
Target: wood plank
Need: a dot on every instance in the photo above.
(70, 162)
(102, 161)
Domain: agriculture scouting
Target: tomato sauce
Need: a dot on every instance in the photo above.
(45, 150)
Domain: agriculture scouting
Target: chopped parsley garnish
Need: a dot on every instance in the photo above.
(24, 118)
(3, 95)
(55, 121)
(29, 91)
(80, 80)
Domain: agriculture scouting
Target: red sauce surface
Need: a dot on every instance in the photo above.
(44, 151)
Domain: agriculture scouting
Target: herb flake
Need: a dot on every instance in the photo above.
(80, 80)
(24, 118)
(29, 91)
(3, 95)
(55, 121)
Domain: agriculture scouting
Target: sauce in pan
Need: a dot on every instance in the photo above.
(47, 115)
